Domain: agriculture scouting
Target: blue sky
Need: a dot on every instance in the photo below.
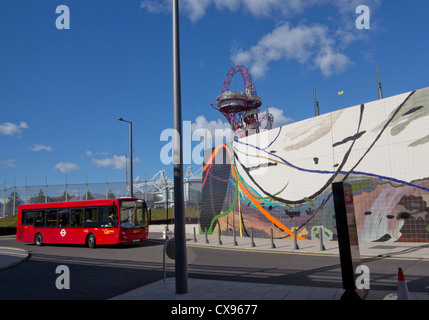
(62, 90)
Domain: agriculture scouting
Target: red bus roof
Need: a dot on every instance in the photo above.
(69, 204)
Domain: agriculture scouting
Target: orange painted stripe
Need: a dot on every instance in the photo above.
(254, 201)
(214, 154)
(209, 163)
(266, 214)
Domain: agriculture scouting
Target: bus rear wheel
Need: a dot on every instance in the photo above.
(38, 239)
(90, 241)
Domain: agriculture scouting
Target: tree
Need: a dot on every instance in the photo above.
(152, 201)
(110, 195)
(88, 196)
(13, 196)
(65, 197)
(12, 203)
(40, 198)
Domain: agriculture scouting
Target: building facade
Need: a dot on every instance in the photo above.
(280, 180)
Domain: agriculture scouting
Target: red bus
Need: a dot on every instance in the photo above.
(92, 222)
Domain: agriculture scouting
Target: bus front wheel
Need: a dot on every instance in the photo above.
(90, 241)
(38, 239)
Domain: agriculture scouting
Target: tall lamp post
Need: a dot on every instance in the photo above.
(179, 206)
(131, 156)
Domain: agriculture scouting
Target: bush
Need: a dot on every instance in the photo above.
(8, 222)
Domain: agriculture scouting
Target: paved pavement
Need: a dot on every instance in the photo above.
(203, 289)
(10, 257)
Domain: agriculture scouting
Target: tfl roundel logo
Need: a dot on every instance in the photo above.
(63, 232)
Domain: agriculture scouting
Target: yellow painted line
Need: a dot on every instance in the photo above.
(395, 258)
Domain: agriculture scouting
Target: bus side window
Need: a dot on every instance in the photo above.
(145, 216)
(91, 214)
(27, 217)
(91, 218)
(76, 218)
(64, 218)
(51, 218)
(141, 216)
(104, 215)
(40, 219)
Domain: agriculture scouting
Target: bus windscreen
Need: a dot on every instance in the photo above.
(133, 214)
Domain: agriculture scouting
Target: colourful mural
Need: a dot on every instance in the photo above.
(281, 179)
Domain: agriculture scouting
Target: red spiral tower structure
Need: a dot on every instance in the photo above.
(241, 109)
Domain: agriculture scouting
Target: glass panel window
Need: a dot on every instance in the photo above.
(51, 218)
(28, 217)
(141, 216)
(91, 214)
(133, 214)
(64, 218)
(40, 219)
(92, 218)
(76, 218)
(108, 216)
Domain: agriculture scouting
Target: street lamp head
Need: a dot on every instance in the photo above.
(120, 119)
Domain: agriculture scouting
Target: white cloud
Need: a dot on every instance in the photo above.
(224, 128)
(279, 118)
(196, 9)
(193, 9)
(89, 153)
(154, 6)
(330, 62)
(314, 46)
(267, 8)
(305, 44)
(66, 167)
(11, 163)
(231, 5)
(217, 132)
(10, 129)
(202, 123)
(41, 147)
(349, 6)
(116, 162)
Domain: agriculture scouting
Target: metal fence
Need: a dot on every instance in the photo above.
(11, 198)
(15, 196)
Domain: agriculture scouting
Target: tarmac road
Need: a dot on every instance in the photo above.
(106, 272)
(94, 274)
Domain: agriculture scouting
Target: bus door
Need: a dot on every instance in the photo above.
(70, 225)
(45, 223)
(63, 230)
